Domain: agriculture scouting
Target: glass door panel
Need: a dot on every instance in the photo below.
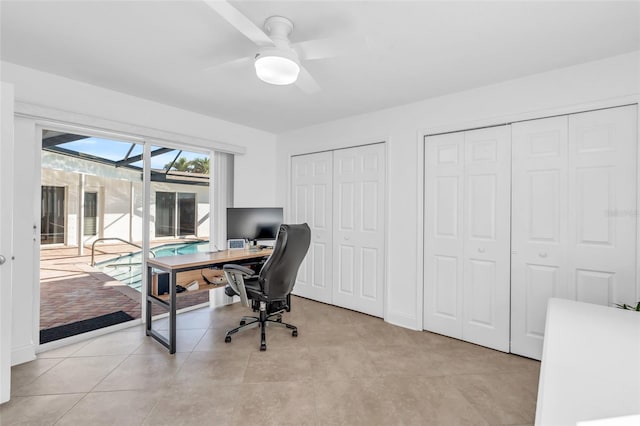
(186, 214)
(52, 215)
(90, 188)
(165, 214)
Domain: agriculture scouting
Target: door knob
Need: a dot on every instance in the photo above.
(2, 259)
(480, 250)
(346, 238)
(542, 254)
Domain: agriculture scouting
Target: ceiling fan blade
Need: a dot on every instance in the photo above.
(228, 63)
(306, 82)
(330, 47)
(240, 22)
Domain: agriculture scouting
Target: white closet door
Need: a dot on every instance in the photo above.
(574, 223)
(602, 205)
(487, 223)
(311, 195)
(467, 235)
(539, 267)
(358, 251)
(443, 251)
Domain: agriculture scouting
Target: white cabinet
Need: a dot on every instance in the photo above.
(467, 235)
(574, 227)
(341, 195)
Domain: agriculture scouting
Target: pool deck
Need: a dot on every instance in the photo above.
(71, 290)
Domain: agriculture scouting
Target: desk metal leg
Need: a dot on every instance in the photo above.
(148, 300)
(169, 343)
(172, 313)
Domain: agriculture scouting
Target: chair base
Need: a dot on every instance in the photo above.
(274, 318)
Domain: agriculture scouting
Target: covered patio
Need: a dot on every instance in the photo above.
(71, 290)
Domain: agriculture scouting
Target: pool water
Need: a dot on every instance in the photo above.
(128, 268)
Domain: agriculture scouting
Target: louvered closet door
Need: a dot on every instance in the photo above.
(358, 251)
(467, 221)
(539, 268)
(487, 218)
(311, 195)
(443, 250)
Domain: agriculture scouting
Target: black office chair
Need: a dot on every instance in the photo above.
(269, 291)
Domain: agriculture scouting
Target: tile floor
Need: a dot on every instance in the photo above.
(343, 368)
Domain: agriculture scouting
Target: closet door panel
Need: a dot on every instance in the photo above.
(574, 228)
(443, 234)
(539, 228)
(311, 202)
(486, 239)
(602, 202)
(359, 181)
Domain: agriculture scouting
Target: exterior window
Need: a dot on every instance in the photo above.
(90, 213)
(175, 208)
(53, 215)
(165, 214)
(186, 214)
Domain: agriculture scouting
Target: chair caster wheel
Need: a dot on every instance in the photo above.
(294, 333)
(243, 322)
(263, 347)
(227, 339)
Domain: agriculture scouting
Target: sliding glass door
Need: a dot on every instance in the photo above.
(107, 205)
(91, 233)
(175, 208)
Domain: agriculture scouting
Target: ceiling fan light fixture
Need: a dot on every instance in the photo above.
(277, 67)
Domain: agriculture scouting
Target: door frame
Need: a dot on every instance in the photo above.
(424, 132)
(6, 243)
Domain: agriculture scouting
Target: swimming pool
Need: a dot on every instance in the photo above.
(128, 268)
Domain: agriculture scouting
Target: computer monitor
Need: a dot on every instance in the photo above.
(253, 223)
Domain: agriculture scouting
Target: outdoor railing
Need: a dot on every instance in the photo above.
(93, 247)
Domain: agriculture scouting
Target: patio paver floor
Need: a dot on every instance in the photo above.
(71, 290)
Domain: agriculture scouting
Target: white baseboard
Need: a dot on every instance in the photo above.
(23, 354)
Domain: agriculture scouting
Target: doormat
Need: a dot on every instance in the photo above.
(79, 327)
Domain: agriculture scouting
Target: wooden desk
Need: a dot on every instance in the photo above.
(188, 262)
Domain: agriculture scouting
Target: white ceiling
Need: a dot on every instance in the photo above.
(165, 51)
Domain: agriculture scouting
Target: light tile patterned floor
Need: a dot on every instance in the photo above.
(343, 368)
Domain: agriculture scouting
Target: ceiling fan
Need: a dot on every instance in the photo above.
(277, 61)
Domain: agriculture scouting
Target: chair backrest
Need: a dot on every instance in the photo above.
(278, 275)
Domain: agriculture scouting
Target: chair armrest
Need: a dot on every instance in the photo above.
(235, 275)
(238, 268)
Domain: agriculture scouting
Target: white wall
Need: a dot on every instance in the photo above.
(84, 104)
(577, 88)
